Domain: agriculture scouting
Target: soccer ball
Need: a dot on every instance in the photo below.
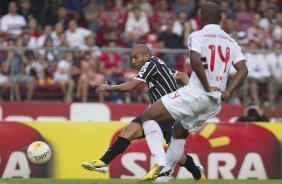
(39, 152)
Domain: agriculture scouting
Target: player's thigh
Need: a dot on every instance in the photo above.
(158, 112)
(132, 131)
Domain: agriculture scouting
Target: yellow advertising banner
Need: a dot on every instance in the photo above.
(73, 143)
(250, 150)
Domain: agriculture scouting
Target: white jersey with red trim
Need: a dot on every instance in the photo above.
(218, 51)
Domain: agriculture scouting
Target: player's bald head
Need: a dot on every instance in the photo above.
(211, 13)
(141, 49)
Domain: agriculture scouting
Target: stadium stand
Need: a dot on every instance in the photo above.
(96, 26)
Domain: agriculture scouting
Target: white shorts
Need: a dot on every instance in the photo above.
(192, 108)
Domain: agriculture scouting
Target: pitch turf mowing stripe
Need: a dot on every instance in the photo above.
(124, 181)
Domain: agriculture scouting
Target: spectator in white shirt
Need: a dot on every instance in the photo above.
(258, 70)
(268, 18)
(136, 26)
(62, 76)
(178, 25)
(47, 60)
(274, 62)
(90, 45)
(59, 28)
(12, 22)
(76, 35)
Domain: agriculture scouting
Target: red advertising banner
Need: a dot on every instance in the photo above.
(34, 110)
(14, 139)
(228, 151)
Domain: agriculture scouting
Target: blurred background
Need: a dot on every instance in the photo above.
(54, 53)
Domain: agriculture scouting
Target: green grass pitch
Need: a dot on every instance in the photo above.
(127, 181)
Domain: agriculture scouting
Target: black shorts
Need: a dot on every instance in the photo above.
(166, 128)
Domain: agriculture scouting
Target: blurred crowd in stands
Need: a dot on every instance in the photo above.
(86, 26)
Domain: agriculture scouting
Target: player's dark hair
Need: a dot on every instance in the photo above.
(211, 13)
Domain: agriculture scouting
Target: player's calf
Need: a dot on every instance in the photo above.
(132, 131)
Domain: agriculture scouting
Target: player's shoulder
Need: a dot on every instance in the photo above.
(196, 33)
(149, 63)
(230, 38)
(154, 60)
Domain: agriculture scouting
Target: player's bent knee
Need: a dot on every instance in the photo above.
(178, 131)
(125, 134)
(131, 132)
(144, 118)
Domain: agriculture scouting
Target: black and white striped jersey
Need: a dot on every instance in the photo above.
(158, 77)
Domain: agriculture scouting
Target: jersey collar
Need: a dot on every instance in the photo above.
(214, 26)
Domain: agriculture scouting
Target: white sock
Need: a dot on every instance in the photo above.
(175, 151)
(154, 138)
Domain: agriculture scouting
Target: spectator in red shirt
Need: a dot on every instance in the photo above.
(111, 67)
(110, 17)
(161, 15)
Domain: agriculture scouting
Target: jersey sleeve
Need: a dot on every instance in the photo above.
(238, 55)
(194, 43)
(147, 70)
(4, 24)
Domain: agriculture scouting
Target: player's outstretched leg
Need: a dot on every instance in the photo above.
(128, 133)
(202, 177)
(188, 162)
(157, 171)
(177, 147)
(155, 138)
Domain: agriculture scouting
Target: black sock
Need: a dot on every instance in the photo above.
(119, 146)
(191, 167)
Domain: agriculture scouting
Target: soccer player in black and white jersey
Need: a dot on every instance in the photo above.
(160, 80)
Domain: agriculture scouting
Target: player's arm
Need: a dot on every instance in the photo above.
(199, 69)
(182, 78)
(124, 87)
(241, 74)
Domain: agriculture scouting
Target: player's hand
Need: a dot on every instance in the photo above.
(102, 88)
(224, 95)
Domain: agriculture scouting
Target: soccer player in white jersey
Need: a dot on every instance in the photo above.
(212, 51)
